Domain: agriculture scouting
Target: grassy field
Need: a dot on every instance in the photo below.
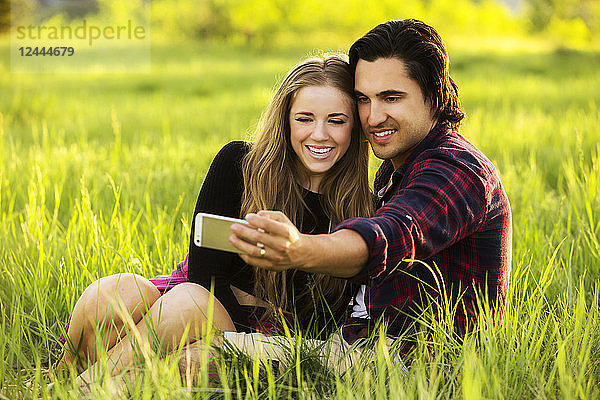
(99, 174)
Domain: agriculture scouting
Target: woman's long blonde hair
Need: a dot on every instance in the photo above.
(273, 177)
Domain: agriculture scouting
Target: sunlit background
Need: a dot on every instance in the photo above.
(99, 173)
(268, 23)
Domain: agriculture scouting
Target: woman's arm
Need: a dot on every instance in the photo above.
(221, 194)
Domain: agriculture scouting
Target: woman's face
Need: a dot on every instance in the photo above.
(321, 119)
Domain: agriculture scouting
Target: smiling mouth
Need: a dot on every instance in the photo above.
(319, 151)
(384, 134)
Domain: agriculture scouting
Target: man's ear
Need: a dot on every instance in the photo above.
(432, 112)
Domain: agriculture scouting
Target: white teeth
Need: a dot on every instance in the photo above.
(384, 133)
(320, 150)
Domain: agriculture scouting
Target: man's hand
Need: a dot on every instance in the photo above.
(279, 244)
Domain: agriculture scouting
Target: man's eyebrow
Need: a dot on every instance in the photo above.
(391, 92)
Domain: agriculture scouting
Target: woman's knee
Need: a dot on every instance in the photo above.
(117, 297)
(188, 306)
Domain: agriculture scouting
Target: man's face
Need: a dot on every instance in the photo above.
(392, 109)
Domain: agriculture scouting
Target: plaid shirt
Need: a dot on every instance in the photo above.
(445, 206)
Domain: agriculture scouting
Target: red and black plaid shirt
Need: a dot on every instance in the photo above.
(446, 206)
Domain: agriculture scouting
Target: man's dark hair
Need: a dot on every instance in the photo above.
(423, 53)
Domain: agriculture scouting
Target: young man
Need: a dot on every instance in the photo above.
(440, 200)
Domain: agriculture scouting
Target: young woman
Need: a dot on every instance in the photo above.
(309, 160)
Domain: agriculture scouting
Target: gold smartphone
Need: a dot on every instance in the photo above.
(213, 231)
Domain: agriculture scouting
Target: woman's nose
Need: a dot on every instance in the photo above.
(320, 131)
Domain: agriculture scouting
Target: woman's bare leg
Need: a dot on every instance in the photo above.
(105, 304)
(181, 311)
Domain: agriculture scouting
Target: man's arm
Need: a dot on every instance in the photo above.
(443, 202)
(343, 253)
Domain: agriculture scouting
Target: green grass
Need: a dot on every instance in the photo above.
(99, 174)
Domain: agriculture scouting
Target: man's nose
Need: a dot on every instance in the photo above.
(377, 114)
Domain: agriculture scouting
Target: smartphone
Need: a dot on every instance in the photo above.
(213, 231)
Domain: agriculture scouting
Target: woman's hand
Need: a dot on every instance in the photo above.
(271, 241)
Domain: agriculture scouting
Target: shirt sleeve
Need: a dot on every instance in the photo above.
(442, 201)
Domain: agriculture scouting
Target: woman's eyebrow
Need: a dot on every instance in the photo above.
(335, 114)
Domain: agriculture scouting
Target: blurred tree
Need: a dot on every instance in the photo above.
(4, 15)
(191, 18)
(41, 10)
(72, 9)
(257, 20)
(542, 12)
(217, 21)
(15, 9)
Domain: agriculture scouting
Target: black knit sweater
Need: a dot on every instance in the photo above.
(221, 194)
